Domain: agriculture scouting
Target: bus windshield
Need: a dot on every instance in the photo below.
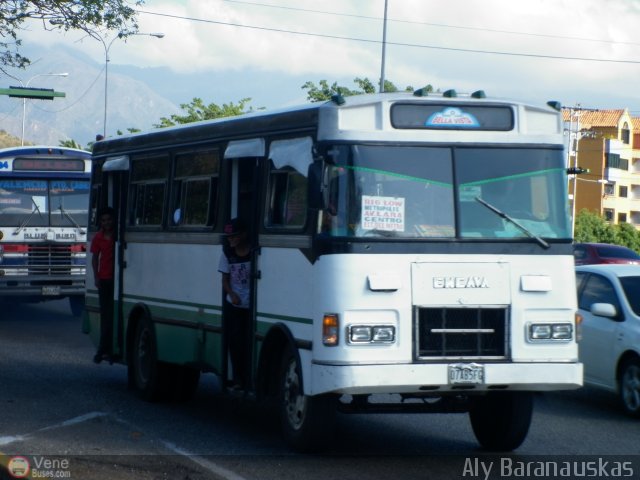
(43, 203)
(441, 192)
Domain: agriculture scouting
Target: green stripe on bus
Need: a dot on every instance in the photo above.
(511, 177)
(397, 175)
(166, 307)
(134, 298)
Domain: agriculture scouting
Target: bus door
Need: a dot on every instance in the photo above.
(115, 172)
(245, 159)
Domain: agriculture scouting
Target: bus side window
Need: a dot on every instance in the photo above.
(148, 190)
(287, 205)
(195, 188)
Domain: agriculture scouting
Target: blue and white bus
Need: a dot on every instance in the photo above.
(410, 254)
(44, 204)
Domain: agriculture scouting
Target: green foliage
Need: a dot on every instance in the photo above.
(70, 144)
(87, 15)
(129, 130)
(197, 111)
(628, 236)
(591, 227)
(323, 92)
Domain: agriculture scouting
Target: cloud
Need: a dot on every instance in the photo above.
(498, 45)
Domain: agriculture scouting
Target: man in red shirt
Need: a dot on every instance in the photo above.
(102, 260)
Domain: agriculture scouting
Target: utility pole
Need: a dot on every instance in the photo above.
(575, 135)
(572, 151)
(384, 47)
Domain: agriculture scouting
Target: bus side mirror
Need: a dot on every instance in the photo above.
(316, 186)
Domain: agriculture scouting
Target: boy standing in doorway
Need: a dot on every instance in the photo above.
(102, 260)
(235, 266)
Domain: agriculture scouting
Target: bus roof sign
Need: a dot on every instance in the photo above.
(459, 116)
(48, 164)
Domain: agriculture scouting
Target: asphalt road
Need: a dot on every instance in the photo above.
(70, 418)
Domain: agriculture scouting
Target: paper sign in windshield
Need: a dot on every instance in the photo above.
(383, 213)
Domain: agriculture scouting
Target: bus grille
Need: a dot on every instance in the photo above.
(472, 333)
(49, 259)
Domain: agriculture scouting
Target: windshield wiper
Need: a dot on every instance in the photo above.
(28, 219)
(70, 218)
(521, 227)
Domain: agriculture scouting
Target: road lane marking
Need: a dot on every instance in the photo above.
(204, 463)
(72, 421)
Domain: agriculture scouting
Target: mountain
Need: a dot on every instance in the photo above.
(79, 115)
(137, 97)
(7, 140)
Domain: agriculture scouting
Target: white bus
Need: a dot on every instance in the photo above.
(44, 200)
(410, 254)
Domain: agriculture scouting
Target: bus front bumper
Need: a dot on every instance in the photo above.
(414, 378)
(42, 286)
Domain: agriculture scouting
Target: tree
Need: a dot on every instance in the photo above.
(70, 144)
(87, 15)
(593, 228)
(197, 111)
(323, 91)
(628, 236)
(129, 130)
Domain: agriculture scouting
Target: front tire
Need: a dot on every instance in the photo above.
(501, 420)
(630, 387)
(308, 422)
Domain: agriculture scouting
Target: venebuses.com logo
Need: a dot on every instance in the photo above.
(38, 467)
(18, 467)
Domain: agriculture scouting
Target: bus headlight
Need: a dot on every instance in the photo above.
(550, 332)
(371, 334)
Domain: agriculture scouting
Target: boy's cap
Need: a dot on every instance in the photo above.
(234, 227)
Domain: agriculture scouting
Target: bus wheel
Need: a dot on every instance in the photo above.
(630, 387)
(76, 302)
(307, 422)
(501, 420)
(147, 372)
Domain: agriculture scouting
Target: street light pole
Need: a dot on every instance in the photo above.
(24, 100)
(107, 47)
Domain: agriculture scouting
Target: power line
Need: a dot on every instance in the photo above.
(80, 97)
(441, 25)
(399, 44)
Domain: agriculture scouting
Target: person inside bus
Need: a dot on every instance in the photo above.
(102, 261)
(235, 267)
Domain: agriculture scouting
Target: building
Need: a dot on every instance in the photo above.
(607, 143)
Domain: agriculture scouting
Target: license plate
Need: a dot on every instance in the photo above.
(51, 290)
(466, 373)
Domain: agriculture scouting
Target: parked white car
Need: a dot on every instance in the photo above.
(609, 302)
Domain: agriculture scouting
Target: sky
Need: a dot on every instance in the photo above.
(579, 52)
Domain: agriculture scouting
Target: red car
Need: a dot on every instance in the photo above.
(592, 253)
